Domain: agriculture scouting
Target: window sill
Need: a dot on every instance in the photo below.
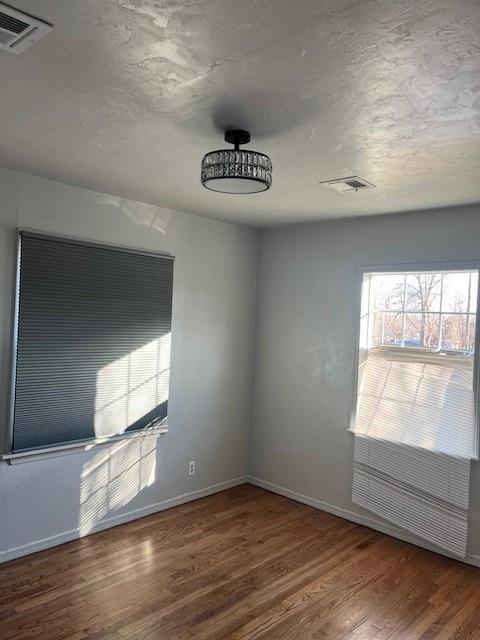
(78, 447)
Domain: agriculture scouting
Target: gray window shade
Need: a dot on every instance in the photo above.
(93, 347)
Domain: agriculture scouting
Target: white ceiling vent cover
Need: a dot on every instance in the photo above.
(351, 183)
(18, 30)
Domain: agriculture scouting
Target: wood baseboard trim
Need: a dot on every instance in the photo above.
(365, 521)
(113, 521)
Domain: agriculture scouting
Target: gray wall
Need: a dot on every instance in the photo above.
(306, 314)
(302, 374)
(45, 502)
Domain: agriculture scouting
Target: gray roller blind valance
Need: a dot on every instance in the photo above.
(93, 342)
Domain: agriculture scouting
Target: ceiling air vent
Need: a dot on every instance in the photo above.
(351, 183)
(18, 30)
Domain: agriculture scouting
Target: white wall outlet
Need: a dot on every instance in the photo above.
(191, 468)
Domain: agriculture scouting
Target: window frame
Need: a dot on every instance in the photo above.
(413, 267)
(8, 454)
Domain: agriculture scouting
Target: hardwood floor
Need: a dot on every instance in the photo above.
(242, 564)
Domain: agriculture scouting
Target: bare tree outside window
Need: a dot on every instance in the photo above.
(425, 310)
(423, 292)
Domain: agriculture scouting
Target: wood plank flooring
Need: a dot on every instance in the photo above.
(244, 564)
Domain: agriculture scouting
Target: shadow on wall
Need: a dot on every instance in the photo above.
(131, 392)
(114, 477)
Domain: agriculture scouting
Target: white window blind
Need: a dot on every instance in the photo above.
(415, 423)
(422, 492)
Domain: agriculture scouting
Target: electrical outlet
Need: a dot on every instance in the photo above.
(191, 468)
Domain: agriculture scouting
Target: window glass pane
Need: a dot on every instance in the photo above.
(420, 310)
(387, 290)
(455, 292)
(470, 342)
(455, 332)
(387, 329)
(421, 330)
(423, 292)
(473, 292)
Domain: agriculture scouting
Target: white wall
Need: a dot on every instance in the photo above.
(306, 315)
(44, 502)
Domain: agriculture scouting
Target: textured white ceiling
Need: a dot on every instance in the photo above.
(125, 96)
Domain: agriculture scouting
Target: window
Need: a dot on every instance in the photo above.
(415, 420)
(416, 361)
(93, 342)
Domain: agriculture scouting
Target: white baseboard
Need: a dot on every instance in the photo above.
(112, 521)
(366, 521)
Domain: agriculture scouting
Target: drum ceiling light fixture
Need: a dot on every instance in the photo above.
(235, 170)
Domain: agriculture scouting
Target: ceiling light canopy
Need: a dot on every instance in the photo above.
(236, 171)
